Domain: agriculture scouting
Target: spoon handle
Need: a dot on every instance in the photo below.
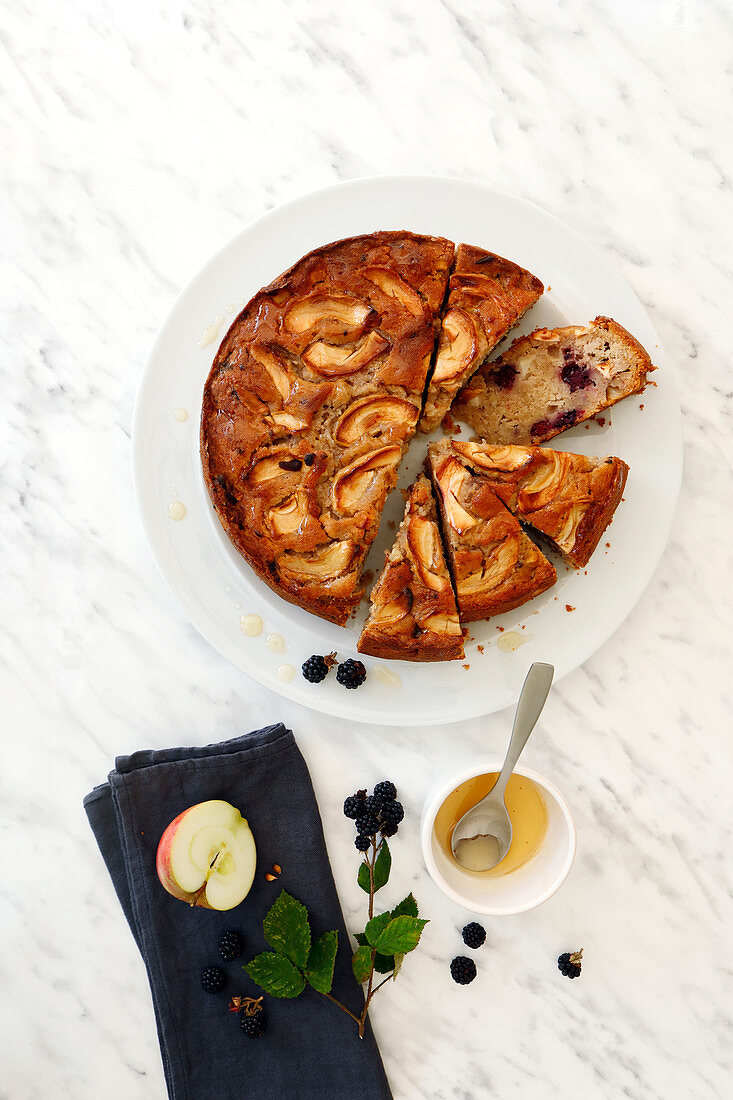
(532, 698)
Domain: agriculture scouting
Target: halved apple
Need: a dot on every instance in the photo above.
(207, 856)
(356, 480)
(330, 315)
(337, 360)
(369, 414)
(457, 348)
(395, 287)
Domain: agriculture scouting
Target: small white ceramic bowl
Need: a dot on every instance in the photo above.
(520, 890)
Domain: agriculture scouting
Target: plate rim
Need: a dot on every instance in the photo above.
(293, 691)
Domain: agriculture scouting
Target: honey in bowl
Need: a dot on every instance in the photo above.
(527, 813)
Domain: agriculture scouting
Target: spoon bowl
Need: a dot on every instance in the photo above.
(483, 836)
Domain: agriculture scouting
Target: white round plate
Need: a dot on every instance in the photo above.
(217, 587)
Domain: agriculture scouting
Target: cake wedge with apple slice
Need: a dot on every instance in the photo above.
(569, 499)
(495, 566)
(413, 613)
(487, 296)
(551, 380)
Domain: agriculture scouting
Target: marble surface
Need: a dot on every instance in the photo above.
(137, 138)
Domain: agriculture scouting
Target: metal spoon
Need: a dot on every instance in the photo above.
(482, 837)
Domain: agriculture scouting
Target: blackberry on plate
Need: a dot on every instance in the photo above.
(569, 963)
(351, 674)
(354, 806)
(392, 813)
(231, 945)
(474, 935)
(253, 1026)
(385, 791)
(362, 842)
(462, 970)
(213, 979)
(367, 824)
(317, 668)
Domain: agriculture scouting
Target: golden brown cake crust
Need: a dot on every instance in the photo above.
(552, 380)
(413, 610)
(568, 498)
(487, 296)
(494, 565)
(312, 398)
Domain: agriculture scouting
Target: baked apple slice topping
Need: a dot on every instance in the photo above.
(422, 540)
(287, 517)
(500, 458)
(370, 416)
(361, 477)
(395, 287)
(541, 487)
(328, 315)
(441, 623)
(319, 565)
(337, 360)
(275, 369)
(457, 347)
(451, 478)
(496, 567)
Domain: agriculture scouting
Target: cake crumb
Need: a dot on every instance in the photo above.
(466, 667)
(608, 545)
(568, 607)
(641, 406)
(480, 648)
(500, 628)
(601, 421)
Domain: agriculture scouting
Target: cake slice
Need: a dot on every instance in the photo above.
(487, 296)
(413, 614)
(568, 498)
(495, 565)
(552, 379)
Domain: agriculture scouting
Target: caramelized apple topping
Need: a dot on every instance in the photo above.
(274, 367)
(496, 568)
(373, 415)
(441, 623)
(395, 287)
(288, 516)
(360, 477)
(497, 458)
(328, 315)
(337, 360)
(424, 545)
(457, 348)
(319, 565)
(450, 479)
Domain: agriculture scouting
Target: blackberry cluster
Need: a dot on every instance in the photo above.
(231, 945)
(213, 979)
(317, 668)
(569, 964)
(254, 1027)
(474, 935)
(462, 970)
(379, 812)
(351, 674)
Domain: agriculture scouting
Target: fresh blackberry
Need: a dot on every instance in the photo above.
(462, 970)
(385, 791)
(474, 935)
(231, 945)
(362, 842)
(253, 1026)
(392, 813)
(354, 806)
(213, 979)
(351, 674)
(372, 805)
(569, 964)
(317, 668)
(388, 830)
(367, 824)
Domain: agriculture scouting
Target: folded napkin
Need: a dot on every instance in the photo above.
(311, 1047)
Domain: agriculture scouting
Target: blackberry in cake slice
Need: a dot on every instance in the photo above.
(413, 613)
(495, 566)
(487, 295)
(551, 380)
(569, 499)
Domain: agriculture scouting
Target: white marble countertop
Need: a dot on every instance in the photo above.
(139, 137)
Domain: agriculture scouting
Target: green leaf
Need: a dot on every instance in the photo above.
(363, 877)
(384, 964)
(286, 929)
(406, 908)
(382, 866)
(319, 971)
(361, 963)
(400, 936)
(276, 975)
(361, 939)
(376, 926)
(398, 959)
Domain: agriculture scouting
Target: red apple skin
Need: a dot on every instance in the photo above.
(163, 864)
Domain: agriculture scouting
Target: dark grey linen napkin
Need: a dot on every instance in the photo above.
(311, 1048)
